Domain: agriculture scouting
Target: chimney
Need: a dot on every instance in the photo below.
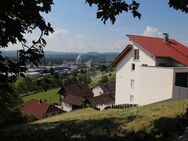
(165, 36)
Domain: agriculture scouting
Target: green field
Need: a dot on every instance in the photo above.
(157, 122)
(50, 96)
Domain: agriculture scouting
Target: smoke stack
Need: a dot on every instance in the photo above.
(165, 36)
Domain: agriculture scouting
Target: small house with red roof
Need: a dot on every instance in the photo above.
(151, 70)
(39, 109)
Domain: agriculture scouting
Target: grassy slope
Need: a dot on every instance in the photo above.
(51, 96)
(147, 123)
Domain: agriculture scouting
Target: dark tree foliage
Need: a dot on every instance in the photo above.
(19, 17)
(181, 5)
(10, 104)
(109, 9)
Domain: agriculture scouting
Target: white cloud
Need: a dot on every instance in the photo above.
(152, 32)
(63, 40)
(110, 45)
(60, 32)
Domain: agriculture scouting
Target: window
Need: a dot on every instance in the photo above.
(131, 98)
(181, 79)
(136, 54)
(132, 83)
(133, 67)
(144, 65)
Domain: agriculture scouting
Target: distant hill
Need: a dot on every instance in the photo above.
(58, 57)
(13, 53)
(10, 53)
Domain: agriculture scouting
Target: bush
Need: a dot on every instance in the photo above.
(104, 79)
(10, 104)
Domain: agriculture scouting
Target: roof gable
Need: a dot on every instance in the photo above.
(160, 48)
(122, 55)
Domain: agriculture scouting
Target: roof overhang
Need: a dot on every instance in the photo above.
(122, 55)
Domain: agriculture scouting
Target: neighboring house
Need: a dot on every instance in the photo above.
(97, 91)
(103, 88)
(151, 70)
(71, 102)
(104, 95)
(74, 96)
(102, 101)
(80, 90)
(39, 109)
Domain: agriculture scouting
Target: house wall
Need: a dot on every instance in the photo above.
(156, 84)
(97, 91)
(67, 107)
(124, 74)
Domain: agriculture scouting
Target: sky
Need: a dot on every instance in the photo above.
(78, 30)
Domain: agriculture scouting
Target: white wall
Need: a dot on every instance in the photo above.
(124, 76)
(66, 107)
(156, 84)
(97, 91)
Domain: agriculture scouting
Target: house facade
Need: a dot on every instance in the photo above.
(151, 70)
(97, 91)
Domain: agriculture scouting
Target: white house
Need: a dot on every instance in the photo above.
(97, 91)
(103, 88)
(151, 70)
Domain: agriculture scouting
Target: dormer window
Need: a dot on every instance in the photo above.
(136, 54)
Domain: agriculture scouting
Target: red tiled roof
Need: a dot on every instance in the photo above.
(37, 108)
(81, 90)
(73, 100)
(160, 48)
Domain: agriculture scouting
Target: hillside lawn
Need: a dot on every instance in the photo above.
(50, 96)
(157, 122)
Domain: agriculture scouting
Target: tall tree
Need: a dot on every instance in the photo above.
(17, 18)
